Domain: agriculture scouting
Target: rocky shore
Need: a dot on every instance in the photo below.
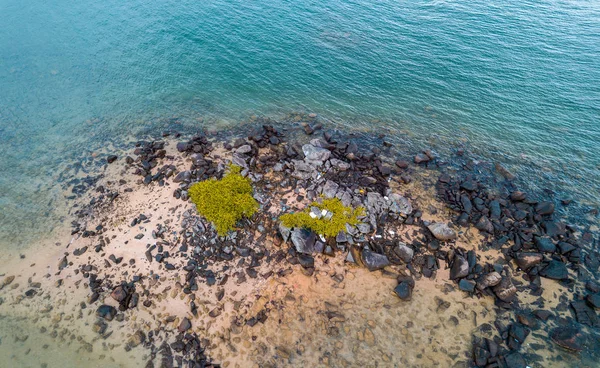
(450, 265)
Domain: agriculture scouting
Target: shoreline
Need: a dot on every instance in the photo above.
(269, 286)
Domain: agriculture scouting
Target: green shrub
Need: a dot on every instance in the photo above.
(224, 202)
(342, 215)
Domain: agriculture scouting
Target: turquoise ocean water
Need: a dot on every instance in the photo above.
(516, 82)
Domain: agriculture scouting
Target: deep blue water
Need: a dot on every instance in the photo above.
(516, 81)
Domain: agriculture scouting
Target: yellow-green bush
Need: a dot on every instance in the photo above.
(342, 215)
(224, 202)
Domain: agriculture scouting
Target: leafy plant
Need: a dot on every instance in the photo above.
(326, 225)
(224, 202)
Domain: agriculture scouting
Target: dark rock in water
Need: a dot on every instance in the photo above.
(402, 164)
(555, 270)
(442, 231)
(374, 261)
(421, 158)
(544, 244)
(119, 294)
(404, 252)
(569, 338)
(306, 260)
(403, 290)
(565, 247)
(593, 300)
(515, 360)
(467, 285)
(107, 312)
(469, 185)
(504, 172)
(526, 260)
(505, 290)
(484, 224)
(495, 210)
(545, 208)
(517, 196)
(585, 314)
(554, 228)
(460, 268)
(184, 325)
(304, 240)
(112, 158)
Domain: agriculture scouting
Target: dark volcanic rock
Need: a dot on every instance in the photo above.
(119, 294)
(515, 360)
(484, 224)
(405, 252)
(569, 338)
(374, 261)
(421, 158)
(593, 300)
(306, 260)
(544, 244)
(555, 270)
(304, 240)
(403, 290)
(545, 208)
(460, 268)
(184, 325)
(107, 312)
(467, 285)
(526, 260)
(585, 314)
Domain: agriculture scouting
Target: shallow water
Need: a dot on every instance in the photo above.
(516, 82)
